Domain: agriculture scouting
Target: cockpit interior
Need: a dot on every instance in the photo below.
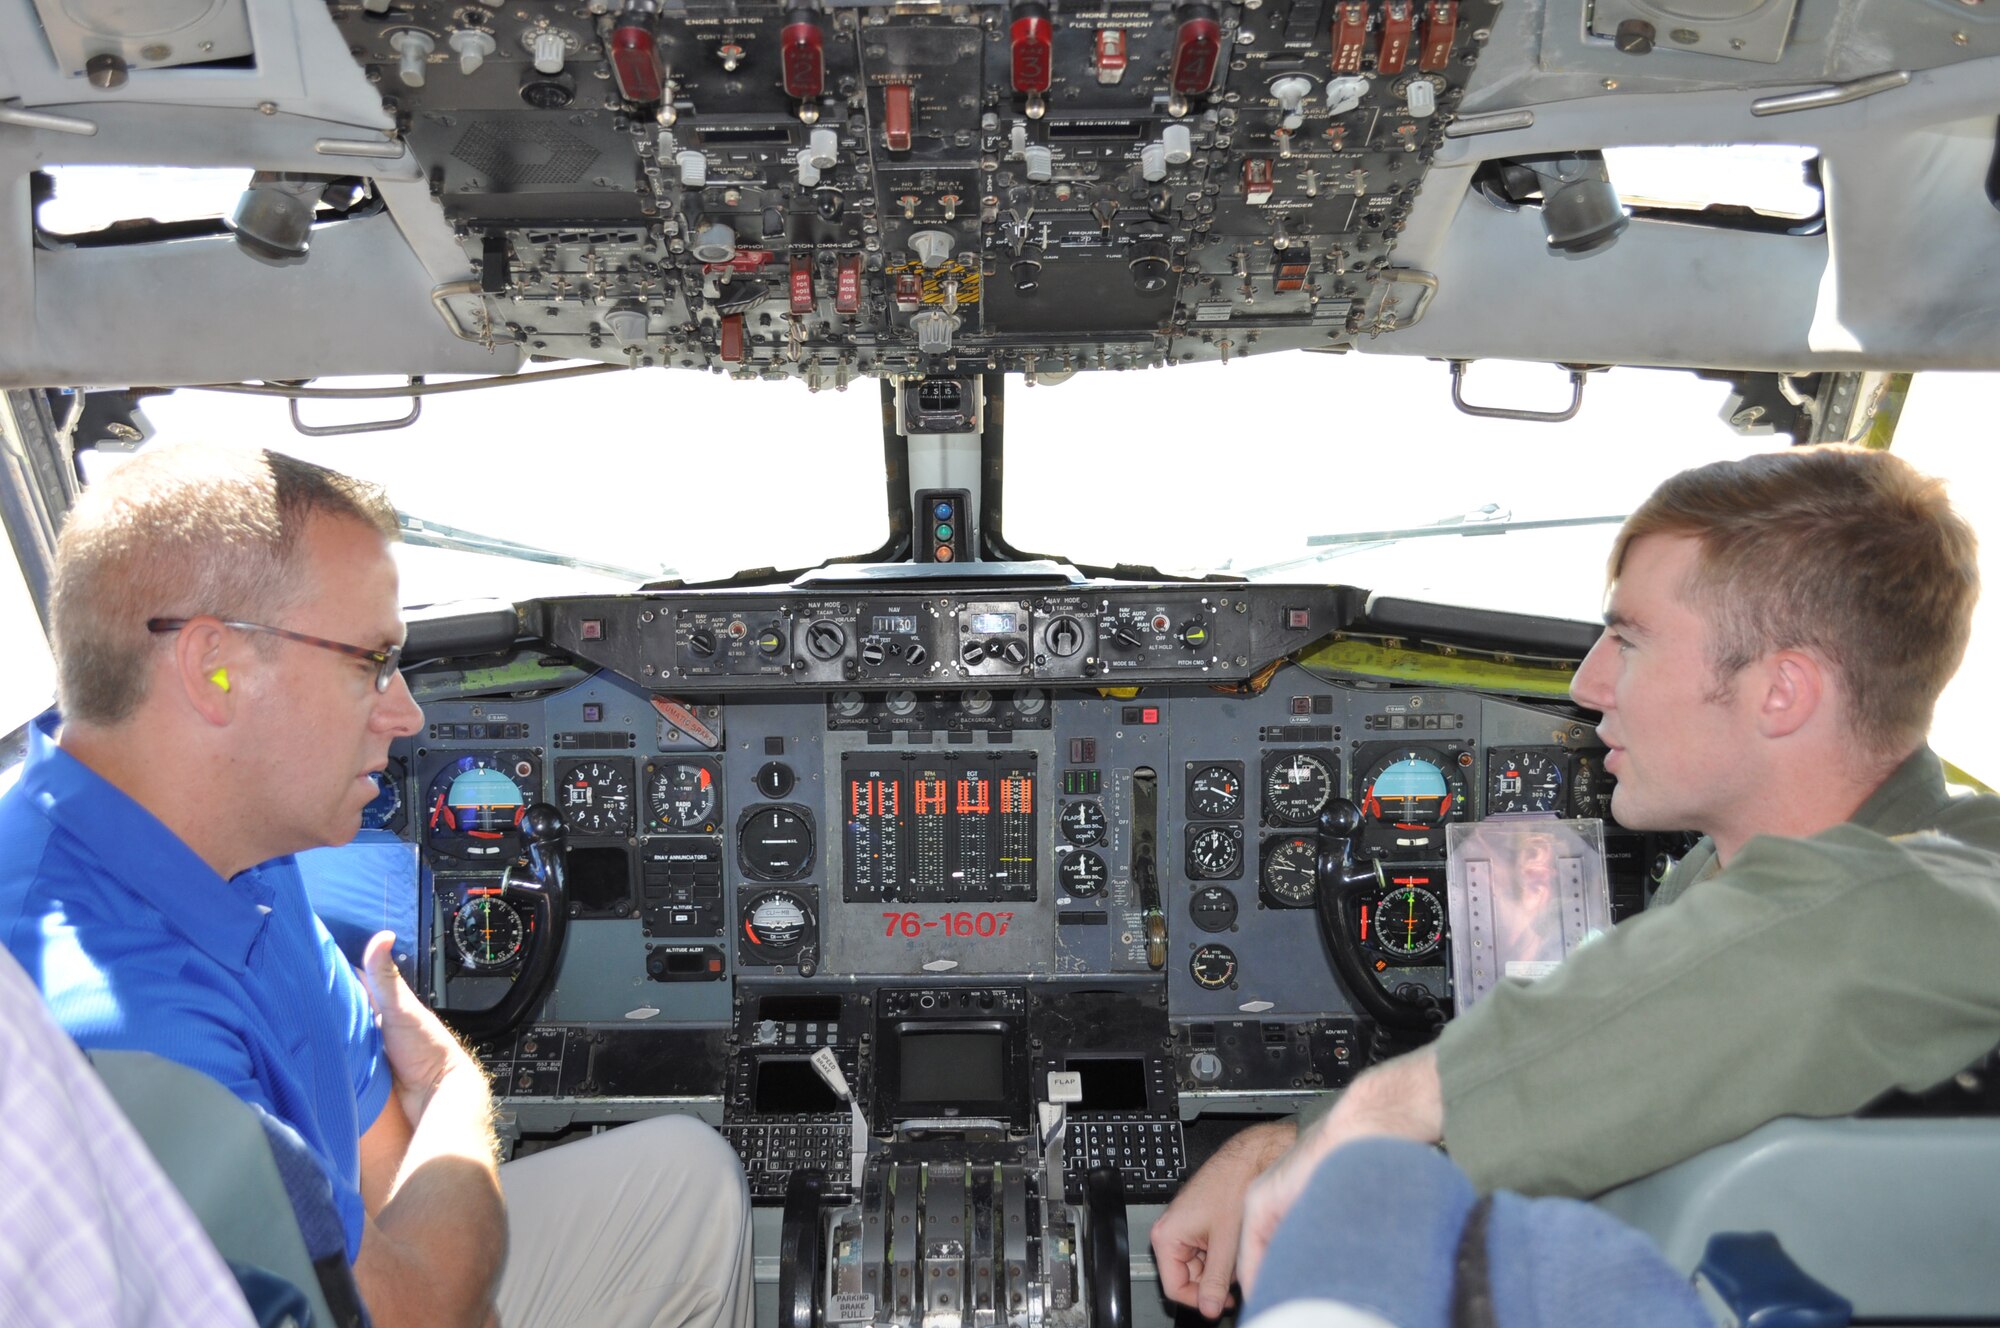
(981, 882)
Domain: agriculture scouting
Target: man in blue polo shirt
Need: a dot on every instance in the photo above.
(227, 632)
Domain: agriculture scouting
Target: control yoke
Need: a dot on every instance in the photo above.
(540, 886)
(1344, 885)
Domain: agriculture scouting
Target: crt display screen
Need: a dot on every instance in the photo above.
(951, 1065)
(785, 1086)
(1112, 1083)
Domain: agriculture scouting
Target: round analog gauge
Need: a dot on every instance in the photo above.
(1214, 852)
(1213, 967)
(385, 810)
(1594, 787)
(776, 843)
(596, 797)
(478, 799)
(1413, 788)
(1291, 871)
(1297, 785)
(1083, 874)
(1408, 922)
(1524, 782)
(1083, 823)
(1215, 792)
(681, 795)
(777, 923)
(488, 932)
(1213, 908)
(774, 779)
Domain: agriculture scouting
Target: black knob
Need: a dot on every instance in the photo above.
(1151, 265)
(1065, 637)
(871, 653)
(915, 656)
(1026, 269)
(771, 641)
(825, 639)
(1010, 649)
(1635, 36)
(701, 641)
(973, 652)
(1194, 635)
(1126, 635)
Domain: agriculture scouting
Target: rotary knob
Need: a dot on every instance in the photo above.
(1205, 1067)
(825, 639)
(973, 652)
(1194, 635)
(915, 656)
(871, 653)
(1065, 637)
(1126, 635)
(771, 642)
(1012, 650)
(701, 641)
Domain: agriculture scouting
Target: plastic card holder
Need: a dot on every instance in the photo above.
(1525, 892)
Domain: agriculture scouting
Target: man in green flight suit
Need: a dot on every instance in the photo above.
(1777, 632)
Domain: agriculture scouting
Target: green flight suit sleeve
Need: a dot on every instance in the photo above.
(1810, 977)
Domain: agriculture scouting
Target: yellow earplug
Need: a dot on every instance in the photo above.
(220, 678)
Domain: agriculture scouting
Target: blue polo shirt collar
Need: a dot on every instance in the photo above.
(221, 918)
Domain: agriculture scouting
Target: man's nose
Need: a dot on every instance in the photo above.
(1591, 687)
(398, 711)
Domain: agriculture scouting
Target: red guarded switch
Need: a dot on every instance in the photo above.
(1197, 51)
(803, 45)
(635, 62)
(896, 117)
(1032, 47)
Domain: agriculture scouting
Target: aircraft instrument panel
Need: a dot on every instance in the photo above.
(1039, 847)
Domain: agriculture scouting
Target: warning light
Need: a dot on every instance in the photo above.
(945, 525)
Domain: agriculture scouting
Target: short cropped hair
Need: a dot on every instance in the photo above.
(1851, 553)
(174, 533)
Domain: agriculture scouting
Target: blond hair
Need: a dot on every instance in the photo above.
(175, 533)
(1850, 553)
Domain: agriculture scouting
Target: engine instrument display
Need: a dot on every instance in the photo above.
(474, 803)
(945, 828)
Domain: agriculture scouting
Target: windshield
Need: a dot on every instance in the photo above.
(1322, 468)
(633, 477)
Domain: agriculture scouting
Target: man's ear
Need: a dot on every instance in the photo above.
(205, 668)
(1795, 690)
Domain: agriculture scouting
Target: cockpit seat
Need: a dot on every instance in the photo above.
(1899, 1216)
(251, 1181)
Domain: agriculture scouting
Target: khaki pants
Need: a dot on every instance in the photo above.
(646, 1225)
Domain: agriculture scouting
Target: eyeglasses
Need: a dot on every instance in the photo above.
(385, 661)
